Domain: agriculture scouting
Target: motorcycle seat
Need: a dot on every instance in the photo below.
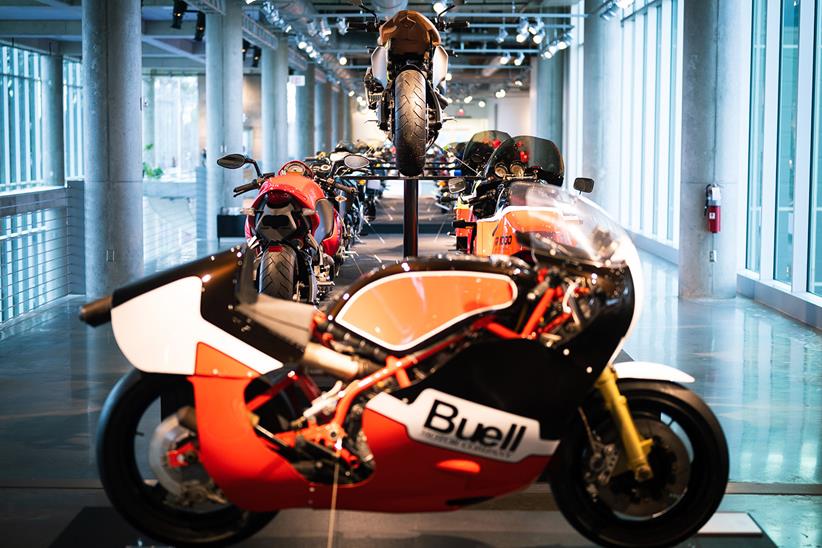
(289, 321)
(325, 211)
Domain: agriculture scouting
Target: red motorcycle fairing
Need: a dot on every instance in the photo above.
(430, 477)
(304, 190)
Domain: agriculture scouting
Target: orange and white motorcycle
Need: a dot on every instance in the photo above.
(503, 369)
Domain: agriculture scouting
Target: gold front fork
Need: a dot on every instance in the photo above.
(636, 448)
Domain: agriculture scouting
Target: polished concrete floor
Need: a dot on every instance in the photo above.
(760, 371)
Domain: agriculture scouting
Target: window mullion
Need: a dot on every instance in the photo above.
(804, 124)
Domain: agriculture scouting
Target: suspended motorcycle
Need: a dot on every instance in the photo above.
(293, 231)
(504, 368)
(402, 86)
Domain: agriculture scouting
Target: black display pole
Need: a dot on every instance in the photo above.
(410, 218)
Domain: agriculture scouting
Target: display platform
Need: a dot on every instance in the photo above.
(103, 527)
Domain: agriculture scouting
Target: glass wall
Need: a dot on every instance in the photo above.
(786, 140)
(650, 119)
(171, 128)
(20, 114)
(784, 223)
(73, 118)
(815, 237)
(757, 133)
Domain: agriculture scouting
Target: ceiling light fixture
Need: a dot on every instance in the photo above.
(448, 76)
(342, 25)
(467, 99)
(502, 35)
(481, 103)
(500, 93)
(439, 6)
(342, 59)
(520, 59)
(505, 58)
(351, 93)
(199, 30)
(539, 37)
(255, 61)
(177, 13)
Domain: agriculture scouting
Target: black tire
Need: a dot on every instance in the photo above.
(279, 273)
(410, 122)
(143, 505)
(706, 481)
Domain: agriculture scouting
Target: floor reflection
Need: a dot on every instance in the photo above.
(760, 371)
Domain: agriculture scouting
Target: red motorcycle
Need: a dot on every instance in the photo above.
(459, 379)
(293, 229)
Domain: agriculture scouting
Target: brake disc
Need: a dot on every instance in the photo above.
(671, 466)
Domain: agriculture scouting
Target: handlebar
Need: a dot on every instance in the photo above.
(242, 189)
(96, 312)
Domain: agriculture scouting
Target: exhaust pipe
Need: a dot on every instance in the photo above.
(336, 364)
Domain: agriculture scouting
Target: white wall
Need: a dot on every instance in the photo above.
(511, 114)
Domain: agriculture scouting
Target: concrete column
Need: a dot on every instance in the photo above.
(305, 115)
(345, 100)
(274, 71)
(600, 107)
(54, 170)
(336, 126)
(224, 99)
(322, 108)
(546, 97)
(716, 50)
(113, 172)
(148, 120)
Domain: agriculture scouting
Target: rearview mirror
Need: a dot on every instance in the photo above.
(583, 184)
(456, 185)
(232, 161)
(356, 162)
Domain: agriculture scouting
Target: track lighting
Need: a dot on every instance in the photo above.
(342, 59)
(287, 28)
(500, 93)
(519, 59)
(610, 10)
(325, 30)
(448, 76)
(248, 2)
(564, 41)
(342, 25)
(302, 44)
(255, 61)
(309, 49)
(547, 54)
(505, 58)
(467, 99)
(246, 45)
(521, 37)
(481, 103)
(522, 27)
(518, 83)
(536, 26)
(502, 35)
(199, 30)
(539, 37)
(439, 7)
(177, 13)
(351, 93)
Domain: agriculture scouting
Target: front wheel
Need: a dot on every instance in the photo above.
(410, 122)
(147, 455)
(598, 494)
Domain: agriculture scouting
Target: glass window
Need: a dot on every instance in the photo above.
(73, 118)
(786, 140)
(815, 247)
(757, 131)
(171, 124)
(20, 116)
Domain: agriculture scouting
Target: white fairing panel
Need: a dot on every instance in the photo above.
(439, 66)
(440, 419)
(651, 371)
(379, 65)
(158, 331)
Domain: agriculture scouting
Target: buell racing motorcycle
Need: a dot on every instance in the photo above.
(402, 86)
(504, 369)
(292, 229)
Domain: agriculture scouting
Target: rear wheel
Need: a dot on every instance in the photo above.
(150, 470)
(410, 122)
(689, 459)
(279, 273)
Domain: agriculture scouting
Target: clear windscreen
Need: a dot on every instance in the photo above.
(567, 227)
(526, 156)
(481, 146)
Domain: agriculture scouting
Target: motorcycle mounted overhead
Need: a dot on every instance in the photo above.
(403, 83)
